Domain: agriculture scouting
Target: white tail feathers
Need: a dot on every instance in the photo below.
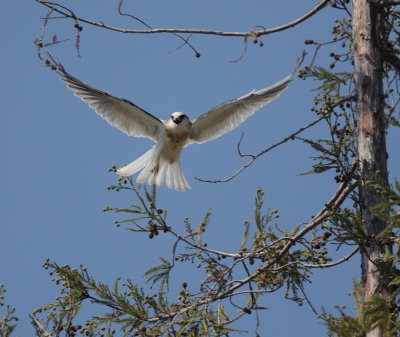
(166, 171)
(137, 165)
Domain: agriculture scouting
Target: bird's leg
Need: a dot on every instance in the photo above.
(156, 168)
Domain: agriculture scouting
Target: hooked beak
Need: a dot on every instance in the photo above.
(178, 120)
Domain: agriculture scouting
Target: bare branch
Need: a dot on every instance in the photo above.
(329, 265)
(246, 39)
(254, 157)
(185, 41)
(337, 199)
(39, 327)
(308, 300)
(67, 13)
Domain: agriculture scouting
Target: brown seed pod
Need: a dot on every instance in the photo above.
(327, 234)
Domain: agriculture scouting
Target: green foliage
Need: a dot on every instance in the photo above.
(269, 257)
(333, 103)
(8, 322)
(388, 209)
(373, 314)
(160, 273)
(266, 256)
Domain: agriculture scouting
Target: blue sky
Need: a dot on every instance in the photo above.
(57, 151)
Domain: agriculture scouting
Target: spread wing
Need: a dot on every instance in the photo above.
(119, 112)
(231, 114)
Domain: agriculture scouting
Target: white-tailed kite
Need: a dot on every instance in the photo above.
(161, 162)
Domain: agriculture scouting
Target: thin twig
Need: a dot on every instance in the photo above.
(254, 157)
(40, 327)
(337, 199)
(308, 300)
(56, 7)
(185, 41)
(329, 265)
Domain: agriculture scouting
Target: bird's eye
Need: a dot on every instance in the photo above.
(181, 117)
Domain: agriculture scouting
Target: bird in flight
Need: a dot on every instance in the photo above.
(161, 163)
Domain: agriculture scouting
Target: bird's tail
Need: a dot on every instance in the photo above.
(137, 165)
(157, 173)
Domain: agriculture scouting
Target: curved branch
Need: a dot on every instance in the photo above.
(61, 10)
(328, 265)
(337, 199)
(254, 157)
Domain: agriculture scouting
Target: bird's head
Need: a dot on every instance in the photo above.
(179, 117)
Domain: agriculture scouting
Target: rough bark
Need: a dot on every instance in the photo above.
(371, 136)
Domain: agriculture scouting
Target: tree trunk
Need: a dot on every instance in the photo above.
(371, 136)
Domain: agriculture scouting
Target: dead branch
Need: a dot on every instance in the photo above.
(67, 13)
(185, 41)
(256, 156)
(39, 327)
